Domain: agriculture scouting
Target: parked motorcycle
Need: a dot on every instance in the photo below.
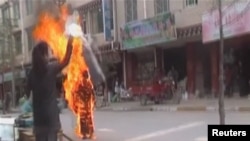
(170, 90)
(125, 95)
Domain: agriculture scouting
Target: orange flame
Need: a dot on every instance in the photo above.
(51, 30)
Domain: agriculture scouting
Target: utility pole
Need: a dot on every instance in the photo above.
(221, 96)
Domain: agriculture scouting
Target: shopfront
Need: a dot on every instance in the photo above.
(110, 59)
(140, 40)
(6, 83)
(236, 30)
(140, 66)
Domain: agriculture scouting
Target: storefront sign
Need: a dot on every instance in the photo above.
(107, 7)
(235, 19)
(158, 29)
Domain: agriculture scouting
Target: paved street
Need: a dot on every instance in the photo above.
(231, 104)
(154, 126)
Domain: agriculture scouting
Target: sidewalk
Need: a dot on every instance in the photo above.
(233, 104)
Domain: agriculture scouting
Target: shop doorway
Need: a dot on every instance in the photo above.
(175, 57)
(242, 70)
(203, 71)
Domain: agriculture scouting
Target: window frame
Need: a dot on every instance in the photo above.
(29, 7)
(16, 10)
(133, 10)
(191, 3)
(165, 6)
(5, 15)
(84, 22)
(97, 20)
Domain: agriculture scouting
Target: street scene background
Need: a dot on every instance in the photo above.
(158, 67)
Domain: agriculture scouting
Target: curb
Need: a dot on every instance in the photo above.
(175, 109)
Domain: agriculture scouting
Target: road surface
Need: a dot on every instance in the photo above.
(153, 126)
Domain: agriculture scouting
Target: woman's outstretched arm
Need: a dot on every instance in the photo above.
(67, 56)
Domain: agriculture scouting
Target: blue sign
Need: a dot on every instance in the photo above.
(107, 7)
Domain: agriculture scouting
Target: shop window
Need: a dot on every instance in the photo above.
(191, 2)
(145, 66)
(97, 20)
(161, 6)
(130, 10)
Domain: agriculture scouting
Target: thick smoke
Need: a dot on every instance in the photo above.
(95, 70)
(72, 28)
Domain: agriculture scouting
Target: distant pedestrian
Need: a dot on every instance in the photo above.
(117, 91)
(42, 83)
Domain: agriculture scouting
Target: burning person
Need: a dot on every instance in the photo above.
(84, 106)
(42, 82)
(78, 90)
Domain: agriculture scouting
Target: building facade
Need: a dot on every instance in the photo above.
(196, 62)
(185, 51)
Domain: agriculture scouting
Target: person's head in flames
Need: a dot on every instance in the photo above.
(40, 58)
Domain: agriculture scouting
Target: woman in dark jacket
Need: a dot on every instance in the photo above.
(42, 83)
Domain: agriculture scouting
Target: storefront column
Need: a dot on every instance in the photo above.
(214, 53)
(130, 65)
(155, 57)
(159, 59)
(190, 69)
(124, 68)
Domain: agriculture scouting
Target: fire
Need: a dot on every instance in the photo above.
(51, 30)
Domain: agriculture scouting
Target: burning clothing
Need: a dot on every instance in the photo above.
(53, 31)
(84, 106)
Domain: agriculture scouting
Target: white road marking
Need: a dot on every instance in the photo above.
(105, 130)
(201, 139)
(166, 131)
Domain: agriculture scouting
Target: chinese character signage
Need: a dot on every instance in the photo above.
(235, 20)
(156, 30)
(107, 19)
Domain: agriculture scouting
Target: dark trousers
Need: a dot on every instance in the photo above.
(52, 136)
(45, 134)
